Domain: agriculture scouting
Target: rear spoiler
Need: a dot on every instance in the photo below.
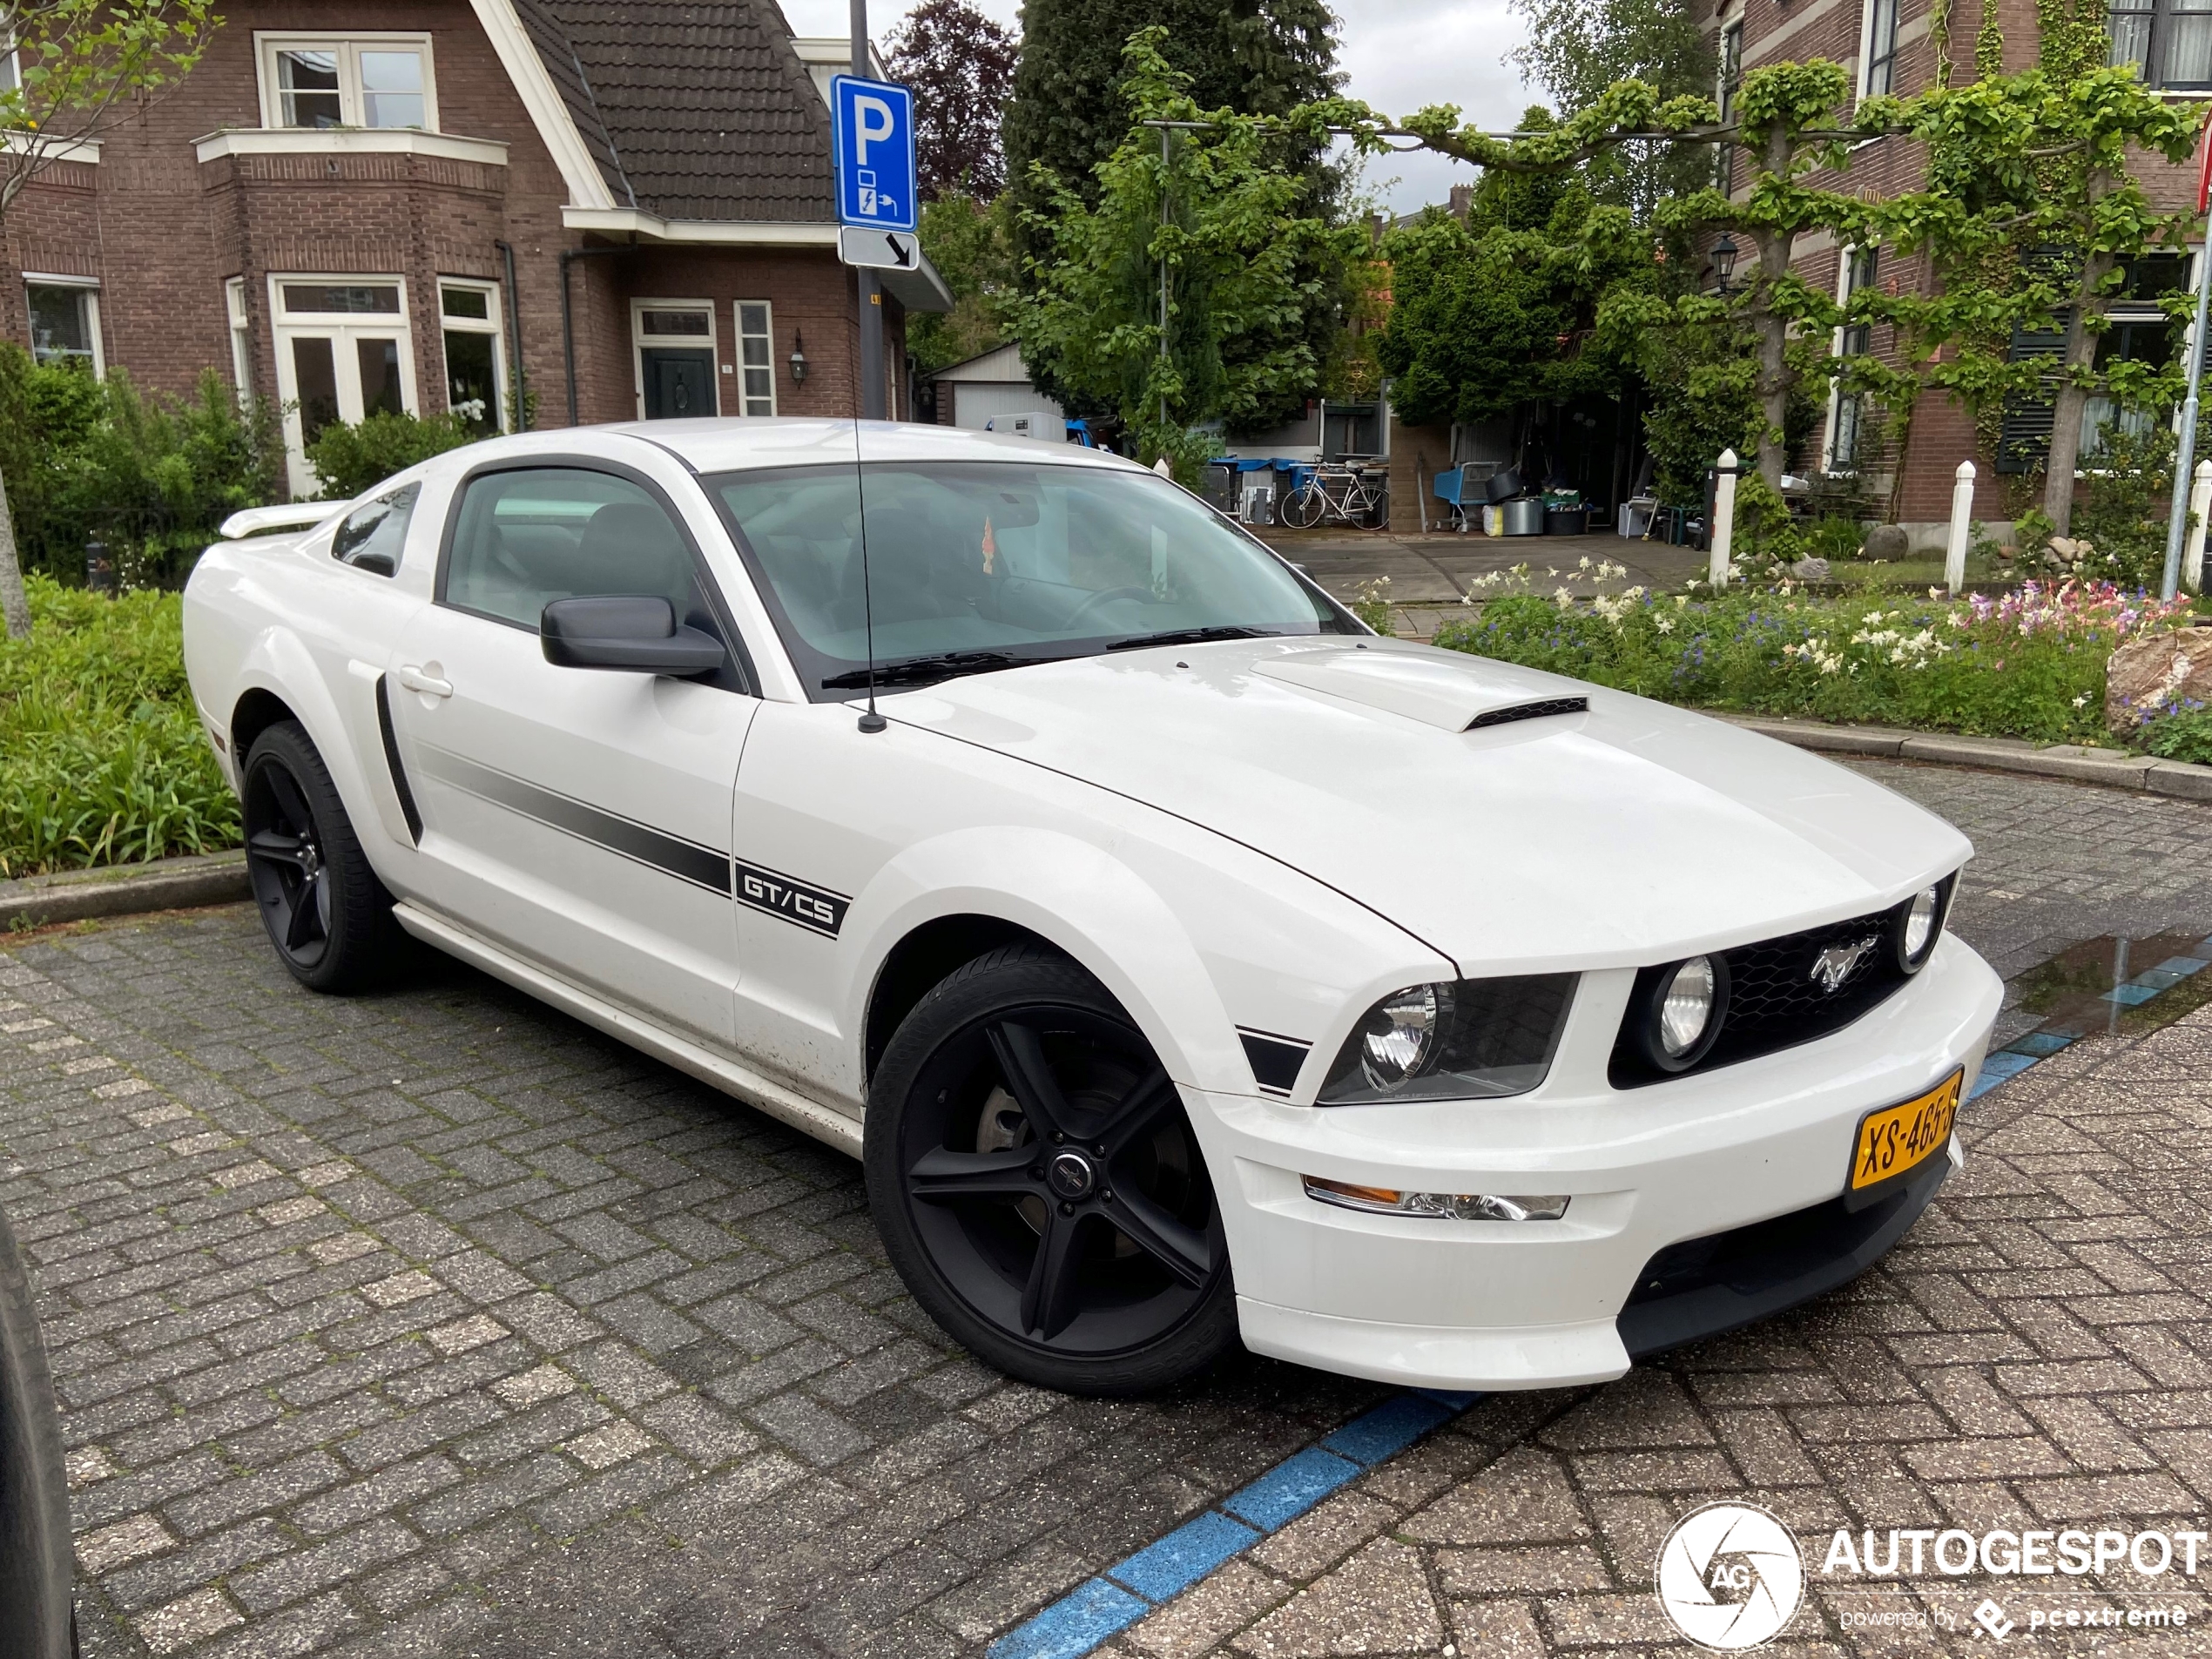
(292, 515)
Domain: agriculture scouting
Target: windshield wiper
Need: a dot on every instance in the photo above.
(913, 671)
(1188, 637)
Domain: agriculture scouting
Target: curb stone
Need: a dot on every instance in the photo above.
(2112, 768)
(220, 878)
(165, 884)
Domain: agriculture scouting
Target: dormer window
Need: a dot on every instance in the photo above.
(364, 80)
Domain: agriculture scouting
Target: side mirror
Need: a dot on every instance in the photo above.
(375, 565)
(635, 633)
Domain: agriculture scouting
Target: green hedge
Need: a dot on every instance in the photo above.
(102, 759)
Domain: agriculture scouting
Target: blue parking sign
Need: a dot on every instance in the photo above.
(875, 152)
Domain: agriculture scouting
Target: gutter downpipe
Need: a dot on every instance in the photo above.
(568, 321)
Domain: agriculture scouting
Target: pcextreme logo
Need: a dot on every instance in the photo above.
(1730, 1576)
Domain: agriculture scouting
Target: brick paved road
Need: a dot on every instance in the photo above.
(434, 1323)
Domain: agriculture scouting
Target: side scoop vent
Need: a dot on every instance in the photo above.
(1550, 706)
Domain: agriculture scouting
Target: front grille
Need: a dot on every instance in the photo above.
(1774, 1000)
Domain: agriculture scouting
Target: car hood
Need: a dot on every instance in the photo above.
(1625, 833)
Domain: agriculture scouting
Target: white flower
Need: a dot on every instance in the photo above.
(1563, 597)
(2080, 700)
(1664, 624)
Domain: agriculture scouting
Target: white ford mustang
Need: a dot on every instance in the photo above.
(1185, 961)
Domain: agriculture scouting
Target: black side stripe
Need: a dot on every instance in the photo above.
(703, 866)
(1275, 1060)
(407, 809)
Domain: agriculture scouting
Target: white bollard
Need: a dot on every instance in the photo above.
(1962, 514)
(1723, 526)
(2193, 549)
(1164, 467)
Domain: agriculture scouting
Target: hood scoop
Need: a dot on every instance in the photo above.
(1453, 695)
(1531, 712)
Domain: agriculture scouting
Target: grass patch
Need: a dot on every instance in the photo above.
(101, 760)
(2030, 664)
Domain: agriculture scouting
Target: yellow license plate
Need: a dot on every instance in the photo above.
(1899, 1139)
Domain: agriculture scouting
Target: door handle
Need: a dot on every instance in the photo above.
(429, 684)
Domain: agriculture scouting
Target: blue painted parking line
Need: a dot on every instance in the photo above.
(1099, 1608)
(2020, 1053)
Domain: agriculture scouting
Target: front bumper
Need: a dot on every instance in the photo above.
(1492, 1305)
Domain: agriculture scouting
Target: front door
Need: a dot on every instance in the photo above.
(578, 817)
(680, 382)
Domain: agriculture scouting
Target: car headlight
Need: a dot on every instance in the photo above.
(1452, 1040)
(1681, 1010)
(1920, 923)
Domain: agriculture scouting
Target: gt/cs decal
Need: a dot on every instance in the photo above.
(813, 908)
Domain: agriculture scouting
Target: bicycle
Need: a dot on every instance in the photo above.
(1348, 494)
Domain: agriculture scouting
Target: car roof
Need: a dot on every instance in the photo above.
(729, 444)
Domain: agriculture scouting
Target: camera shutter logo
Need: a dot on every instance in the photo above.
(1730, 1576)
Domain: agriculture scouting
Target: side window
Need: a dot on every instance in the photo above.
(375, 536)
(523, 539)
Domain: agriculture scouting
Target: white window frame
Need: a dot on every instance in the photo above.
(241, 338)
(493, 322)
(712, 343)
(1846, 261)
(10, 65)
(340, 328)
(348, 45)
(1862, 81)
(90, 287)
(739, 337)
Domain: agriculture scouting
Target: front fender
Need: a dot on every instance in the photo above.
(1081, 900)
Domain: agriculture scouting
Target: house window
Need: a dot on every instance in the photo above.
(343, 353)
(65, 322)
(475, 385)
(2139, 332)
(1877, 50)
(241, 338)
(1847, 428)
(1732, 70)
(755, 357)
(10, 77)
(347, 81)
(2169, 41)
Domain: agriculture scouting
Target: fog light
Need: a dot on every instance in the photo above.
(1687, 1007)
(1457, 1206)
(1916, 940)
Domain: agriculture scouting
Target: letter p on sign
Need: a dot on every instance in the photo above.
(873, 122)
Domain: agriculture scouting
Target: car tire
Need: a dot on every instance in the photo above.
(36, 1614)
(326, 914)
(1038, 1187)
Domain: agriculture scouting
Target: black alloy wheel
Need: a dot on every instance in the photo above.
(1038, 1185)
(326, 914)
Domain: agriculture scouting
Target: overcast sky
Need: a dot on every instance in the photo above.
(1398, 55)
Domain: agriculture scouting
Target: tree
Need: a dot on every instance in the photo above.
(1500, 311)
(961, 65)
(84, 67)
(969, 242)
(1068, 116)
(1237, 245)
(1577, 49)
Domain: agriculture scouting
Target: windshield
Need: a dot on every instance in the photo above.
(976, 565)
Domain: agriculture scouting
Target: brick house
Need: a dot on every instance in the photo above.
(1887, 47)
(617, 210)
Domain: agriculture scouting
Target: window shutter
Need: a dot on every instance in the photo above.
(2024, 442)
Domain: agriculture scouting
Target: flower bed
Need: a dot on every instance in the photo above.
(101, 760)
(2028, 664)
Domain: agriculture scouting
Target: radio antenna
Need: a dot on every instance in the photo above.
(871, 721)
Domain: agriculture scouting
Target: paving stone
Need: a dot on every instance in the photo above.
(323, 1337)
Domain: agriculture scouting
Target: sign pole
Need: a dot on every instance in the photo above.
(2177, 518)
(871, 293)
